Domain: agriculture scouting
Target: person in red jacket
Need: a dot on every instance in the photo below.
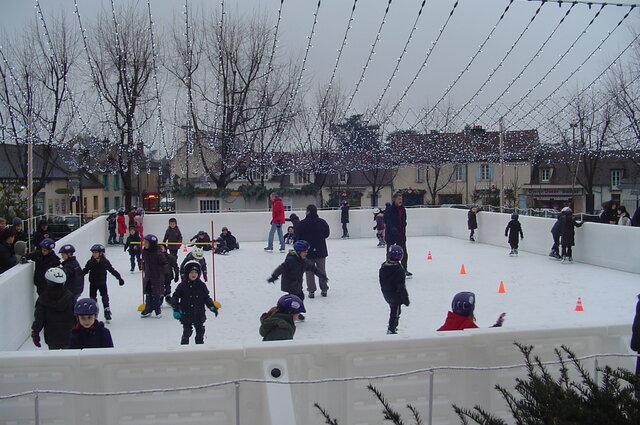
(461, 315)
(277, 220)
(122, 227)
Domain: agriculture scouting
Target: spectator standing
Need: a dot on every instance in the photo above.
(315, 231)
(344, 218)
(472, 222)
(7, 255)
(277, 220)
(395, 222)
(624, 219)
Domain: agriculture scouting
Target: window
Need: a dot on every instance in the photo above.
(484, 172)
(343, 178)
(419, 175)
(106, 204)
(95, 203)
(116, 202)
(116, 182)
(459, 173)
(545, 175)
(302, 178)
(256, 175)
(105, 181)
(209, 205)
(615, 179)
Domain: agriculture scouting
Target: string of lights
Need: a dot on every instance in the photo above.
(473, 58)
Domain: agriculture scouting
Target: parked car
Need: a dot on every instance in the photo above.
(61, 225)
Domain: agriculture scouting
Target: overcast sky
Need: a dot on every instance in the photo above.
(468, 28)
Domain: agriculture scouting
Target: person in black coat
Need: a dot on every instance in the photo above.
(134, 246)
(635, 220)
(53, 312)
(567, 234)
(395, 222)
(21, 235)
(226, 242)
(291, 270)
(196, 254)
(174, 236)
(295, 221)
(344, 218)
(97, 268)
(555, 233)
(41, 233)
(392, 283)
(111, 227)
(189, 300)
(44, 259)
(155, 265)
(635, 337)
(171, 272)
(7, 255)
(315, 231)
(203, 239)
(514, 232)
(472, 222)
(89, 332)
(75, 276)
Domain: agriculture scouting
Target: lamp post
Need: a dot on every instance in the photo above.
(573, 127)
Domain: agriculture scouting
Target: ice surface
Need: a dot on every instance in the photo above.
(540, 293)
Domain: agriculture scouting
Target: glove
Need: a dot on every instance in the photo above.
(205, 278)
(175, 279)
(121, 281)
(177, 315)
(499, 321)
(35, 337)
(271, 279)
(214, 310)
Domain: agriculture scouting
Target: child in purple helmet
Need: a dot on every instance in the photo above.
(97, 268)
(44, 259)
(279, 322)
(292, 270)
(392, 283)
(89, 332)
(461, 315)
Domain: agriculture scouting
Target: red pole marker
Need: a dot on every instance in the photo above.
(213, 262)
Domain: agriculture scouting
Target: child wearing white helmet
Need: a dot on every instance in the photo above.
(196, 254)
(378, 217)
(53, 312)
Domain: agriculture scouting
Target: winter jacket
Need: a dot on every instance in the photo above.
(42, 264)
(38, 236)
(111, 222)
(624, 220)
(314, 230)
(205, 238)
(230, 241)
(277, 327)
(512, 230)
(395, 221)
(122, 226)
(172, 235)
(132, 218)
(277, 211)
(295, 221)
(171, 269)
(189, 257)
(98, 271)
(190, 298)
(97, 336)
(635, 220)
(392, 283)
(608, 215)
(635, 329)
(132, 247)
(456, 322)
(379, 219)
(75, 277)
(292, 270)
(472, 220)
(557, 227)
(344, 214)
(7, 256)
(138, 222)
(155, 266)
(567, 230)
(54, 314)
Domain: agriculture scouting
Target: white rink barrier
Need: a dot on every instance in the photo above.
(227, 385)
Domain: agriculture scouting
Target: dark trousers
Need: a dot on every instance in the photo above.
(345, 231)
(167, 285)
(94, 287)
(556, 244)
(152, 303)
(133, 257)
(112, 236)
(405, 257)
(394, 316)
(187, 331)
(513, 245)
(311, 278)
(173, 250)
(566, 251)
(473, 231)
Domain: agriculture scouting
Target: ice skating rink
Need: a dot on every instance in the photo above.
(540, 293)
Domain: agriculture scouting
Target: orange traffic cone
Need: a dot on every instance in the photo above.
(462, 270)
(185, 248)
(579, 305)
(429, 257)
(501, 288)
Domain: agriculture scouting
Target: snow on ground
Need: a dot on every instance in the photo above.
(540, 293)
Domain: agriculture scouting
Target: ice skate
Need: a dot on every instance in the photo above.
(267, 249)
(323, 293)
(392, 331)
(158, 315)
(312, 295)
(282, 250)
(107, 315)
(408, 274)
(512, 253)
(515, 251)
(472, 239)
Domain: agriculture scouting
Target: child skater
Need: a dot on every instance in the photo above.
(138, 220)
(122, 226)
(567, 234)
(203, 240)
(461, 315)
(378, 217)
(97, 268)
(71, 267)
(173, 236)
(392, 283)
(295, 221)
(292, 270)
(155, 264)
(196, 254)
(289, 236)
(111, 226)
(134, 248)
(189, 300)
(513, 229)
(44, 259)
(278, 323)
(53, 312)
(472, 223)
(171, 271)
(89, 332)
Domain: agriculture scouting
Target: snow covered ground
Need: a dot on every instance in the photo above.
(540, 293)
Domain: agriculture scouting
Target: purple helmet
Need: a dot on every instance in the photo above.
(463, 303)
(395, 253)
(291, 303)
(67, 249)
(97, 248)
(85, 307)
(301, 245)
(151, 238)
(47, 243)
(514, 216)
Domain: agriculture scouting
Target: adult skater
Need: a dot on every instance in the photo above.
(395, 222)
(344, 218)
(315, 230)
(567, 234)
(277, 220)
(472, 222)
(513, 230)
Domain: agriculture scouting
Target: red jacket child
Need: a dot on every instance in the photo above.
(277, 210)
(461, 315)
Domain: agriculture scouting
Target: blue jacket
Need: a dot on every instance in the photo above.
(97, 336)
